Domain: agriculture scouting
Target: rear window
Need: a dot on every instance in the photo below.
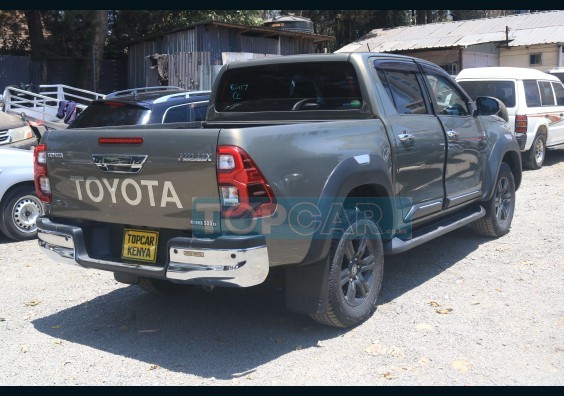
(290, 87)
(502, 90)
(110, 113)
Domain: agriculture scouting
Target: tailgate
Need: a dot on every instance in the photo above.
(149, 184)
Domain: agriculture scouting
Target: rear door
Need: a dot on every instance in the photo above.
(419, 138)
(556, 115)
(466, 137)
(149, 180)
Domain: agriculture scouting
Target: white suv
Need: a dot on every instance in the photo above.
(534, 101)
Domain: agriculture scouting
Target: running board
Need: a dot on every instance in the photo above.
(397, 245)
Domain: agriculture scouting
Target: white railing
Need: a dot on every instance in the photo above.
(45, 104)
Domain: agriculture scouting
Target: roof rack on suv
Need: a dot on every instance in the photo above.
(181, 95)
(135, 91)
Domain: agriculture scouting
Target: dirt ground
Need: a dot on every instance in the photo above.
(459, 310)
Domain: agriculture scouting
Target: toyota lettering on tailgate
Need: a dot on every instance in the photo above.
(131, 191)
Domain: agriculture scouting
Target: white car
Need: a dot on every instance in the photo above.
(534, 101)
(19, 205)
(15, 132)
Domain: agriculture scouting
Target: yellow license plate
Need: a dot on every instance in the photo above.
(140, 245)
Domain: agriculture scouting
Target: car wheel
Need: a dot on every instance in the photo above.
(356, 262)
(500, 208)
(161, 287)
(18, 213)
(536, 154)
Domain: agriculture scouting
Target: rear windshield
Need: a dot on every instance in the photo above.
(110, 113)
(290, 87)
(502, 90)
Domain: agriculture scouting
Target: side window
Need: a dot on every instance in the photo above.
(176, 114)
(449, 99)
(532, 94)
(547, 97)
(559, 92)
(404, 91)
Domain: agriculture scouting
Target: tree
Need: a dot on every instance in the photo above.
(14, 39)
(97, 31)
(349, 25)
(459, 15)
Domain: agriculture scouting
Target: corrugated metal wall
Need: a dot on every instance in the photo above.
(259, 45)
(16, 70)
(184, 69)
(21, 69)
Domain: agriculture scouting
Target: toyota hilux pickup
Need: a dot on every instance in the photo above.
(321, 163)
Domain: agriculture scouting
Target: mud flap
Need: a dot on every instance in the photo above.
(307, 288)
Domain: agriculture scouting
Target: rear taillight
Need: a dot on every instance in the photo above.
(243, 190)
(521, 124)
(42, 185)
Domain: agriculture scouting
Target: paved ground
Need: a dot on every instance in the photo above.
(460, 310)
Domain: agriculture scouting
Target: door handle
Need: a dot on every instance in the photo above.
(406, 138)
(452, 135)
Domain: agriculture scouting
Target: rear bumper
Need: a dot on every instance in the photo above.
(522, 140)
(224, 261)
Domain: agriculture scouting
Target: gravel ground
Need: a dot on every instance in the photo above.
(460, 310)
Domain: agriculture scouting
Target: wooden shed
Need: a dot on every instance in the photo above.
(191, 57)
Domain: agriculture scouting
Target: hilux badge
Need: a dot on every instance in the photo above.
(195, 157)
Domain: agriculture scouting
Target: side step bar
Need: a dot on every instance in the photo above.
(397, 245)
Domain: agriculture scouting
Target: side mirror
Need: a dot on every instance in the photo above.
(488, 105)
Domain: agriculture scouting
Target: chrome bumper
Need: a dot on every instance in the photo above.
(234, 266)
(190, 260)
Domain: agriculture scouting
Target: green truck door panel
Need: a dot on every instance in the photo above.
(466, 138)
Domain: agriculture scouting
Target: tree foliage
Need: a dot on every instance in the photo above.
(349, 25)
(14, 38)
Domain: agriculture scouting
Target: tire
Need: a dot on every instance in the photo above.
(161, 287)
(500, 208)
(18, 213)
(534, 158)
(356, 261)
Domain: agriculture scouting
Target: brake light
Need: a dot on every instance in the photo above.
(521, 124)
(243, 190)
(120, 140)
(114, 104)
(40, 177)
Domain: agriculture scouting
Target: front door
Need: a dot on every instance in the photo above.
(466, 137)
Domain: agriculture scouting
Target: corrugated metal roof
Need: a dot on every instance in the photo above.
(524, 29)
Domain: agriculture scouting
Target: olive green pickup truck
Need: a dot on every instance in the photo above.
(320, 163)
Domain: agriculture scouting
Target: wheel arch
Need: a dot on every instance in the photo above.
(505, 149)
(542, 129)
(513, 159)
(349, 184)
(7, 193)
